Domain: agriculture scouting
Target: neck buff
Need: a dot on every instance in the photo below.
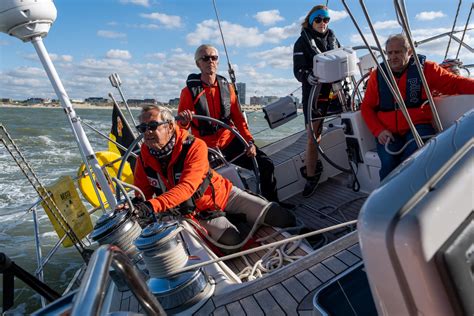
(166, 150)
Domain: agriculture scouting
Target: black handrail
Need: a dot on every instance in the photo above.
(10, 270)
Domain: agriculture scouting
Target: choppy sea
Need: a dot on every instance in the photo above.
(44, 137)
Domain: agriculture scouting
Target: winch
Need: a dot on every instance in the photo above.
(163, 253)
(117, 228)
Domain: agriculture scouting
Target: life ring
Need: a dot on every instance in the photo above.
(104, 158)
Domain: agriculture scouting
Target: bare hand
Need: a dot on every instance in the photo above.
(251, 150)
(385, 136)
(186, 117)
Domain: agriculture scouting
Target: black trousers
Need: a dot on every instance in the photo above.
(265, 167)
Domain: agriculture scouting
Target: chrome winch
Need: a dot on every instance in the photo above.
(163, 253)
(120, 229)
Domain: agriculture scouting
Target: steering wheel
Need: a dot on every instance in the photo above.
(241, 139)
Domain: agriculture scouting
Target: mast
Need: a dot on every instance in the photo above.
(32, 28)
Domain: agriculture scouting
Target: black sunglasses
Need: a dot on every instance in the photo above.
(319, 19)
(152, 126)
(207, 58)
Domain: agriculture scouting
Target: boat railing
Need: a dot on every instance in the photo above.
(92, 292)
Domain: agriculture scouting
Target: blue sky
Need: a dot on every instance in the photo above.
(151, 43)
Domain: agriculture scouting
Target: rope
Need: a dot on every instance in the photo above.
(273, 260)
(218, 244)
(394, 153)
(263, 247)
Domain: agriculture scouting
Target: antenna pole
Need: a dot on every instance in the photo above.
(229, 66)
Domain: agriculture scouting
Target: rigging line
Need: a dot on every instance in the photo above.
(230, 70)
(452, 30)
(464, 32)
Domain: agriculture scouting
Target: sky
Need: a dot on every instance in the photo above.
(151, 43)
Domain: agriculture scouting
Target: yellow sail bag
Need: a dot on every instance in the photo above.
(67, 200)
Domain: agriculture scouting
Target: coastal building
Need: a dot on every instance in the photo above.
(38, 101)
(96, 100)
(241, 90)
(263, 100)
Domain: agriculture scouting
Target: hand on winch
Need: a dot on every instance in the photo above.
(312, 79)
(142, 211)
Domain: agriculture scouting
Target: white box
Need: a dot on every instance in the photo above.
(335, 65)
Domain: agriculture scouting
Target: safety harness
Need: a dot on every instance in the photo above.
(201, 106)
(188, 206)
(413, 96)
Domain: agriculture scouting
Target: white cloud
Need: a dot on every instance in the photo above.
(429, 15)
(384, 25)
(118, 54)
(149, 26)
(110, 34)
(337, 15)
(235, 34)
(63, 58)
(279, 57)
(54, 57)
(268, 17)
(157, 56)
(239, 36)
(144, 3)
(277, 34)
(168, 21)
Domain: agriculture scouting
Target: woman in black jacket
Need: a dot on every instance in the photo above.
(315, 38)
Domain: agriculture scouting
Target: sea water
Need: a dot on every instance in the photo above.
(44, 137)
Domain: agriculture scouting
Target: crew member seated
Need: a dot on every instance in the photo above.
(383, 115)
(173, 172)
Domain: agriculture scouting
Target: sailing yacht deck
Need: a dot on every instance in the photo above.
(290, 290)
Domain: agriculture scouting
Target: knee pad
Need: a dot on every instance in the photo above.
(279, 217)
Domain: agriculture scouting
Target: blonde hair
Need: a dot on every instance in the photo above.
(305, 23)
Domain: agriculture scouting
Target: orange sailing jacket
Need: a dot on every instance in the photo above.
(439, 80)
(195, 169)
(222, 137)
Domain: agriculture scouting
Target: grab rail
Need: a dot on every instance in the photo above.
(92, 292)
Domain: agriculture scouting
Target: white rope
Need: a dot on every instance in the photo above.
(273, 260)
(263, 247)
(394, 153)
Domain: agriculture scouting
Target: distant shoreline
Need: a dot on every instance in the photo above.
(49, 106)
(250, 108)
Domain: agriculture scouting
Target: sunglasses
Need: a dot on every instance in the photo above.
(207, 58)
(319, 19)
(152, 126)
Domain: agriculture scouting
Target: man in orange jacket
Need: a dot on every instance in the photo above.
(384, 117)
(173, 172)
(209, 94)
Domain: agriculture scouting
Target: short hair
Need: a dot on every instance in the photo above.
(398, 37)
(165, 113)
(197, 54)
(305, 23)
